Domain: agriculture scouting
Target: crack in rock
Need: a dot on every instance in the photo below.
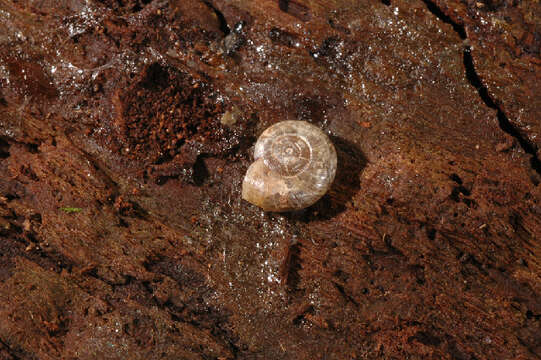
(482, 90)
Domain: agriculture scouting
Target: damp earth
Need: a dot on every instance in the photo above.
(126, 128)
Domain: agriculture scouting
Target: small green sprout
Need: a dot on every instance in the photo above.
(70, 210)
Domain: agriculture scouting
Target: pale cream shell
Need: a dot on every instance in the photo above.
(295, 165)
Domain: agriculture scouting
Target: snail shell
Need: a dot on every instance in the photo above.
(295, 165)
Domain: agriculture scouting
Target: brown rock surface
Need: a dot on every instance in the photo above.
(505, 38)
(126, 128)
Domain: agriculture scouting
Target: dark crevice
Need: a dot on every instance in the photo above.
(93, 273)
(504, 122)
(298, 320)
(425, 339)
(482, 90)
(16, 355)
(346, 296)
(434, 9)
(530, 315)
(282, 37)
(456, 178)
(295, 9)
(291, 268)
(431, 233)
(386, 2)
(221, 18)
(200, 171)
(4, 149)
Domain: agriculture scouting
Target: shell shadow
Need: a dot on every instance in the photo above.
(351, 162)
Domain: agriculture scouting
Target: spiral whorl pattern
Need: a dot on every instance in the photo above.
(295, 164)
(288, 155)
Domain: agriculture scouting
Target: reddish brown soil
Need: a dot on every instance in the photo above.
(126, 128)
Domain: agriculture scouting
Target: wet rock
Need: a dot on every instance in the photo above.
(126, 128)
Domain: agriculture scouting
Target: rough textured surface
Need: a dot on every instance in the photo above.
(126, 128)
(505, 41)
